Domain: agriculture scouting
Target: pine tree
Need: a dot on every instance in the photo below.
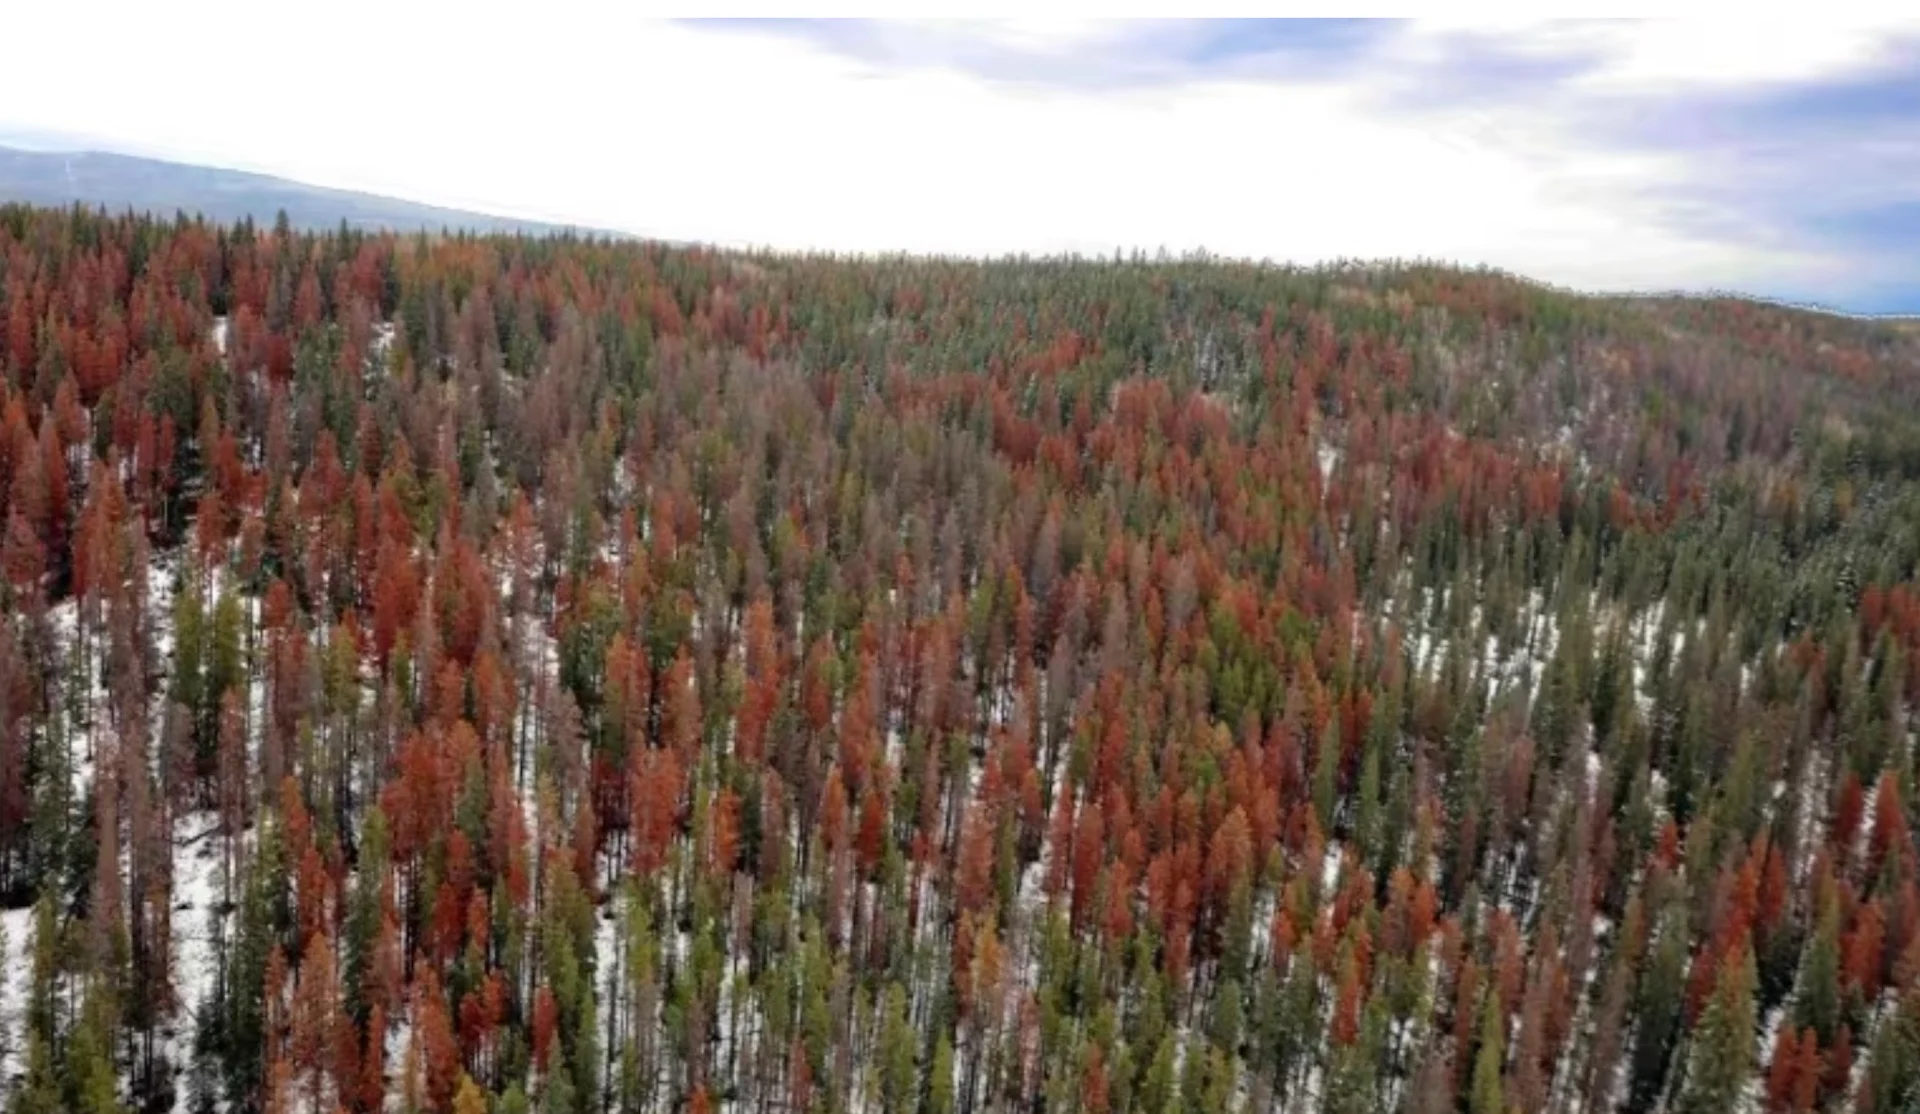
(559, 1093)
(440, 1055)
(39, 1092)
(1297, 1021)
(51, 847)
(1159, 1092)
(1487, 1096)
(92, 1086)
(316, 1008)
(939, 1098)
(1465, 797)
(469, 1098)
(232, 1024)
(1658, 1008)
(896, 1053)
(1367, 833)
(1326, 774)
(186, 678)
(364, 911)
(226, 666)
(1353, 1082)
(1720, 1057)
(1893, 1070)
(1817, 999)
(43, 990)
(1554, 710)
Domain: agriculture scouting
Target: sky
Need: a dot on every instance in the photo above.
(1767, 157)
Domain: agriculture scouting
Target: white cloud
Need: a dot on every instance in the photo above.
(591, 114)
(1736, 51)
(1038, 35)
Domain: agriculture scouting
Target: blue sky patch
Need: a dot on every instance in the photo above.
(1827, 163)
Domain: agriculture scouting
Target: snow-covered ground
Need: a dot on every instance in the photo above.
(15, 976)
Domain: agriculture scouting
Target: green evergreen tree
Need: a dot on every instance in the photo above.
(39, 1092)
(1720, 1056)
(1465, 798)
(1817, 1000)
(1893, 1069)
(1237, 941)
(1215, 1091)
(44, 990)
(52, 851)
(940, 1077)
(226, 668)
(1159, 1093)
(1326, 774)
(559, 1092)
(186, 679)
(896, 1053)
(1352, 1080)
(364, 914)
(1487, 1095)
(1298, 1023)
(231, 1026)
(92, 1086)
(1367, 836)
(1657, 1007)
(1554, 711)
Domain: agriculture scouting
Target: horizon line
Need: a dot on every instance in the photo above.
(26, 142)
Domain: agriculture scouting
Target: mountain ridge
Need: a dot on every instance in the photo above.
(117, 181)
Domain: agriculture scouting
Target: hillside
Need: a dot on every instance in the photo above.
(499, 674)
(122, 182)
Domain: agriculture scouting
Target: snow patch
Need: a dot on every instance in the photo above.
(15, 976)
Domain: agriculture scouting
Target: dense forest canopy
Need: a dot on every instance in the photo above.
(454, 674)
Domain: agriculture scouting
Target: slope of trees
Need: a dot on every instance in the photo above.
(507, 675)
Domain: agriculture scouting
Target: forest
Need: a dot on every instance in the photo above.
(456, 674)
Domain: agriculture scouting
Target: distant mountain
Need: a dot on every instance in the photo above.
(121, 182)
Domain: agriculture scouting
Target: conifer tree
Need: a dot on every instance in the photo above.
(1487, 1094)
(1893, 1070)
(939, 1090)
(1720, 1056)
(1817, 997)
(1658, 1008)
(896, 1053)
